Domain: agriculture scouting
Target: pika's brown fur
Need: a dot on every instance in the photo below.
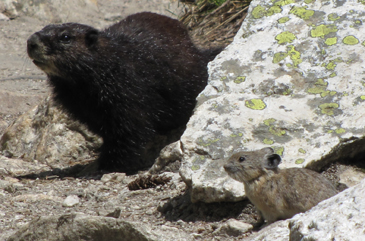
(277, 194)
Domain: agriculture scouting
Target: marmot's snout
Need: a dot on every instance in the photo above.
(33, 45)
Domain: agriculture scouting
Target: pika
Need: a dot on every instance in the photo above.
(129, 83)
(277, 194)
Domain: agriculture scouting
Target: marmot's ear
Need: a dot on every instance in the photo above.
(272, 161)
(91, 38)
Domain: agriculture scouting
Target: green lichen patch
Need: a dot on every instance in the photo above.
(362, 97)
(224, 78)
(258, 12)
(340, 131)
(334, 74)
(273, 10)
(350, 40)
(283, 2)
(302, 12)
(268, 141)
(277, 131)
(279, 57)
(236, 135)
(326, 93)
(331, 41)
(278, 150)
(333, 17)
(322, 30)
(308, 1)
(269, 121)
(299, 161)
(240, 79)
(255, 104)
(331, 65)
(319, 87)
(285, 37)
(294, 56)
(283, 20)
(328, 108)
(195, 167)
(207, 143)
(301, 150)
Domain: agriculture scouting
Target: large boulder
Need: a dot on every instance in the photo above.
(293, 79)
(48, 135)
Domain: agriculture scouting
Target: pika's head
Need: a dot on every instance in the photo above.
(250, 165)
(57, 48)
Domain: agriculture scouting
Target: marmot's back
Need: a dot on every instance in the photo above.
(128, 83)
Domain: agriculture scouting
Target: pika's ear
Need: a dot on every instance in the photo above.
(272, 161)
(91, 38)
(267, 150)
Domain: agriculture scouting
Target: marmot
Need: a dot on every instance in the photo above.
(128, 83)
(277, 194)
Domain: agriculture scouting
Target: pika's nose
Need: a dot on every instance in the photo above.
(32, 43)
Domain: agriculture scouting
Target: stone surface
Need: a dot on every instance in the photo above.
(71, 201)
(351, 177)
(18, 167)
(48, 135)
(292, 80)
(84, 227)
(235, 228)
(338, 218)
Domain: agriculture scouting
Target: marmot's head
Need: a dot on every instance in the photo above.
(62, 48)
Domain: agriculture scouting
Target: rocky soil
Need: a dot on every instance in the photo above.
(163, 210)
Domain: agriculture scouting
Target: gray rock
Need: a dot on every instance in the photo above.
(292, 80)
(277, 231)
(83, 227)
(351, 177)
(48, 135)
(234, 227)
(17, 167)
(71, 201)
(338, 218)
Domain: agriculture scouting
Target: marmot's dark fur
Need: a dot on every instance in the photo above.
(129, 82)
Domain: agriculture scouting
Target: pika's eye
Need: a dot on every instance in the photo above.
(242, 159)
(65, 38)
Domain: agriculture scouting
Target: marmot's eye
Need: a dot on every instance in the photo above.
(65, 38)
(242, 159)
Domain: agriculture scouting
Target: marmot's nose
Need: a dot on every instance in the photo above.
(32, 43)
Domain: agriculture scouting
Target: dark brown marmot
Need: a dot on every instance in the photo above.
(277, 194)
(129, 82)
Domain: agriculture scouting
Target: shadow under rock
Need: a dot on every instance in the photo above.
(181, 208)
(76, 171)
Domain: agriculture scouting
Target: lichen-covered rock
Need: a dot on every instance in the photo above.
(293, 79)
(47, 134)
(338, 218)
